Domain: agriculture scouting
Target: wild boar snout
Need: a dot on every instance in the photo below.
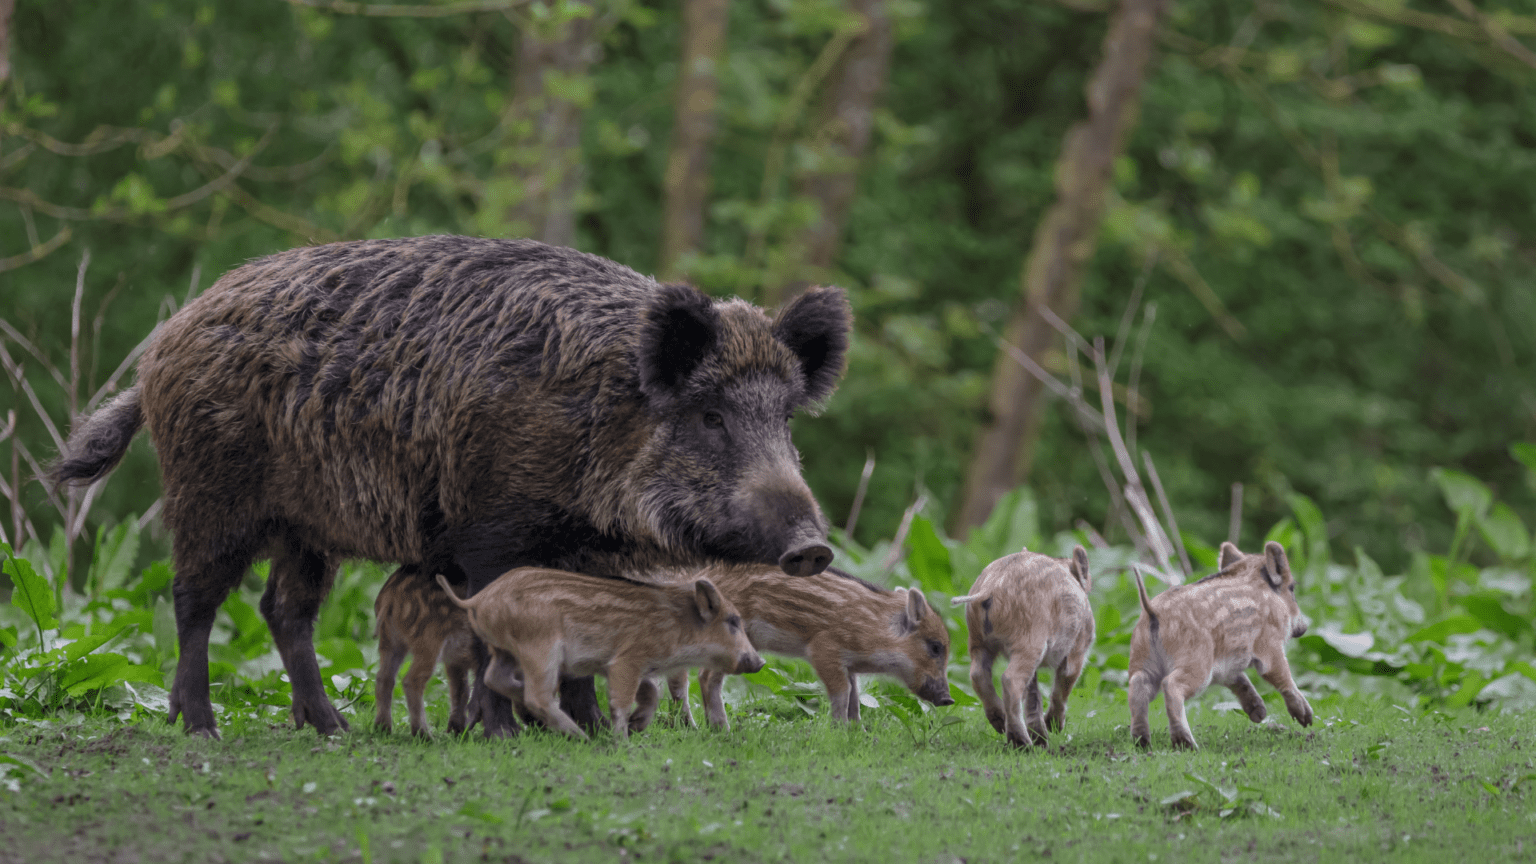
(935, 690)
(1299, 624)
(748, 662)
(806, 559)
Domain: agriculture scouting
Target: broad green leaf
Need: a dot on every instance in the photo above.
(342, 652)
(8, 637)
(22, 762)
(929, 558)
(1525, 454)
(1472, 684)
(961, 697)
(1438, 631)
(90, 669)
(165, 629)
(1180, 799)
(1463, 492)
(1313, 526)
(251, 632)
(768, 677)
(1505, 533)
(86, 644)
(31, 593)
(1490, 612)
(58, 551)
(116, 550)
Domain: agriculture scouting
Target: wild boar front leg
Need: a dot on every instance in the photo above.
(647, 699)
(982, 661)
(677, 690)
(834, 676)
(1277, 672)
(1140, 692)
(1253, 704)
(624, 686)
(711, 687)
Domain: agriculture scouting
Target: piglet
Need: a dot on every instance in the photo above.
(1032, 609)
(540, 624)
(843, 625)
(1209, 632)
(416, 620)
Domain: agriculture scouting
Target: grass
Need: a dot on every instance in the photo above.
(1368, 781)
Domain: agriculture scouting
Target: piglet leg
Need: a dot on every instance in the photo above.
(1248, 697)
(982, 661)
(711, 685)
(1175, 691)
(1278, 673)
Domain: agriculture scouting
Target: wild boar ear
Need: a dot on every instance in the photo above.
(917, 607)
(1276, 566)
(815, 327)
(1229, 555)
(681, 328)
(707, 598)
(1080, 568)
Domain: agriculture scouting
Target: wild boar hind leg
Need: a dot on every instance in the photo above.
(300, 579)
(198, 590)
(982, 661)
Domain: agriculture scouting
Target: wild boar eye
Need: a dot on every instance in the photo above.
(935, 648)
(713, 420)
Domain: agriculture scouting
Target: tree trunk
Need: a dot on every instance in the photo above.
(840, 139)
(686, 183)
(1063, 246)
(550, 92)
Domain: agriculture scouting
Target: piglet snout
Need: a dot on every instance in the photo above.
(748, 663)
(935, 690)
(1299, 626)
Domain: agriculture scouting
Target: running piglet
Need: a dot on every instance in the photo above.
(1033, 610)
(1211, 632)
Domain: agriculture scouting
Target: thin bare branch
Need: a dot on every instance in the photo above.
(37, 471)
(151, 513)
(1429, 21)
(1095, 539)
(1173, 524)
(1133, 383)
(73, 393)
(1135, 496)
(1045, 377)
(84, 509)
(37, 354)
(1496, 33)
(858, 497)
(394, 10)
(1133, 306)
(19, 380)
(1235, 517)
(37, 252)
(900, 539)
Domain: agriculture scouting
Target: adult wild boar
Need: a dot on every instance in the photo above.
(462, 406)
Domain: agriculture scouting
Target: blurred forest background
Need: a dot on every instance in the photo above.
(1306, 228)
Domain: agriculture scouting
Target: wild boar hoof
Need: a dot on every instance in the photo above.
(1143, 742)
(205, 732)
(997, 722)
(1037, 737)
(1055, 723)
(1181, 742)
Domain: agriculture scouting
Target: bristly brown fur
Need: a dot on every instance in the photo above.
(462, 406)
(1211, 632)
(1033, 610)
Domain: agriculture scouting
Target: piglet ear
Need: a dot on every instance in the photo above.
(1277, 568)
(917, 607)
(815, 326)
(707, 598)
(1080, 568)
(681, 328)
(1229, 555)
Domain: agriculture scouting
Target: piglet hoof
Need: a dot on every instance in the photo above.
(1258, 712)
(1303, 713)
(210, 732)
(384, 727)
(1184, 742)
(456, 727)
(996, 719)
(1143, 742)
(423, 733)
(1055, 722)
(1037, 737)
(1020, 741)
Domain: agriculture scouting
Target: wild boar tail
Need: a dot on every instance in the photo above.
(1146, 604)
(99, 441)
(443, 581)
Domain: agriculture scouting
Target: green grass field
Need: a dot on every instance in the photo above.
(1369, 782)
